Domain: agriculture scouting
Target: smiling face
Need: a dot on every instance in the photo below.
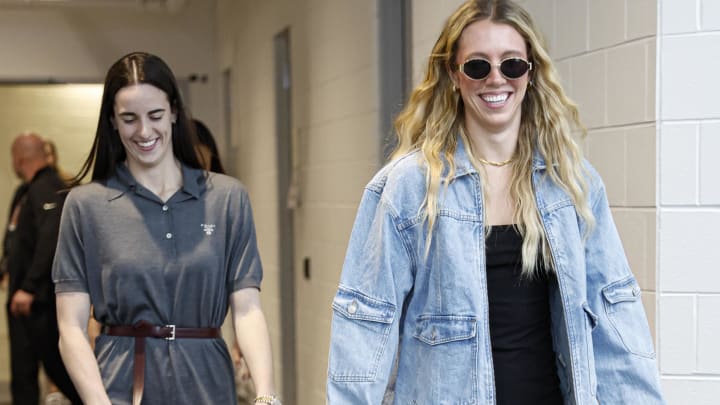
(143, 118)
(492, 104)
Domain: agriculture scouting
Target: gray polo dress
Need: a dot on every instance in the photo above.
(167, 263)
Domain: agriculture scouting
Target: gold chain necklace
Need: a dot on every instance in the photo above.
(496, 164)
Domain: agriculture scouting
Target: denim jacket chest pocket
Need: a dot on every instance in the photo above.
(449, 344)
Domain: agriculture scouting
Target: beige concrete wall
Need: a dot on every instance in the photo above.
(335, 118)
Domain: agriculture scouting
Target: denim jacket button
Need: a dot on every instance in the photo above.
(352, 308)
(433, 334)
(635, 292)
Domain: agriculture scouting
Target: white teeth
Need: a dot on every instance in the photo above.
(495, 98)
(146, 144)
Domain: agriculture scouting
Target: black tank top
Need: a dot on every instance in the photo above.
(523, 357)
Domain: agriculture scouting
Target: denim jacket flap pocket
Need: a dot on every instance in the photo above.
(439, 329)
(445, 351)
(625, 311)
(361, 328)
(354, 305)
(624, 290)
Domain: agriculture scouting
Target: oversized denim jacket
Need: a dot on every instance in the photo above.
(423, 319)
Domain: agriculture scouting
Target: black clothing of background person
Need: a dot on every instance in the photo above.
(9, 230)
(34, 338)
(33, 243)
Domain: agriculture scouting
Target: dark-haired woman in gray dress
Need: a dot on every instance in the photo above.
(160, 248)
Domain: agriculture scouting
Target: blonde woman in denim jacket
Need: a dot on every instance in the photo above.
(484, 266)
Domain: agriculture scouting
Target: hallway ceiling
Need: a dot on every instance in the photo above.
(158, 5)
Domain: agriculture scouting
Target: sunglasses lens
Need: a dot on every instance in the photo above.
(477, 69)
(513, 68)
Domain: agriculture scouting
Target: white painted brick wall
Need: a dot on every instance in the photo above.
(688, 164)
(689, 252)
(677, 334)
(679, 16)
(686, 87)
(678, 164)
(708, 334)
(691, 391)
(710, 17)
(710, 163)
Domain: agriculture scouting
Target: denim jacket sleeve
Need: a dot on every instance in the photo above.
(376, 278)
(625, 362)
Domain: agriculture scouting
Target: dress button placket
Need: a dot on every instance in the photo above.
(169, 228)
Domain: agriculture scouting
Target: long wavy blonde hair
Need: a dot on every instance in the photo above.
(433, 119)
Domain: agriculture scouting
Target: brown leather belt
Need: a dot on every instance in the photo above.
(142, 330)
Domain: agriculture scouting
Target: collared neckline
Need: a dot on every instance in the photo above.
(193, 181)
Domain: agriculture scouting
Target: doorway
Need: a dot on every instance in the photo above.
(286, 229)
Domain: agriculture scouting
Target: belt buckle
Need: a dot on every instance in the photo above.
(172, 332)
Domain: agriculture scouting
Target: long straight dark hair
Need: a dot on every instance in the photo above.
(107, 150)
(205, 138)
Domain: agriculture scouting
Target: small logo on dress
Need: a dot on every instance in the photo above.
(208, 228)
(49, 206)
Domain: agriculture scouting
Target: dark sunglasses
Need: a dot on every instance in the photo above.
(511, 68)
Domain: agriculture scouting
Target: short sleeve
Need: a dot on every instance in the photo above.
(244, 266)
(69, 270)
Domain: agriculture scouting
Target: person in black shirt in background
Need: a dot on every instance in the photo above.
(10, 229)
(30, 248)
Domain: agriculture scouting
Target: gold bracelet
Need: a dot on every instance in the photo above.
(267, 399)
